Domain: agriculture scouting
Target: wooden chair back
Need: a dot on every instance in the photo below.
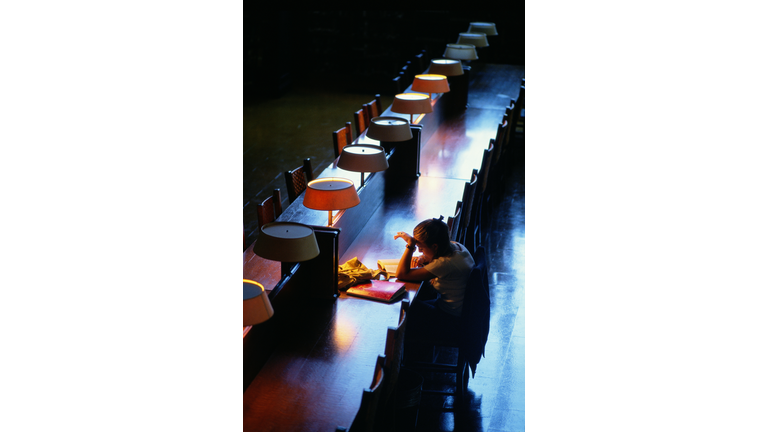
(365, 420)
(475, 312)
(466, 203)
(269, 209)
(342, 138)
(296, 179)
(478, 221)
(454, 222)
(501, 132)
(375, 107)
(407, 72)
(485, 168)
(519, 108)
(468, 218)
(370, 110)
(360, 124)
(420, 63)
(397, 84)
(393, 351)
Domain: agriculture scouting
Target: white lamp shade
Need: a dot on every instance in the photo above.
(482, 27)
(447, 67)
(477, 39)
(363, 158)
(389, 129)
(286, 242)
(460, 52)
(256, 305)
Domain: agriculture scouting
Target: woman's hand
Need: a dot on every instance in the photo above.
(405, 236)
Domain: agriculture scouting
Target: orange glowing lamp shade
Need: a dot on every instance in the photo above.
(447, 67)
(256, 305)
(483, 27)
(412, 103)
(477, 39)
(331, 193)
(430, 83)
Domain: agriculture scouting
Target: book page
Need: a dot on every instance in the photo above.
(389, 265)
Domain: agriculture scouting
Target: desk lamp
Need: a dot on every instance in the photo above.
(477, 39)
(287, 242)
(389, 130)
(430, 83)
(457, 80)
(256, 305)
(488, 29)
(412, 103)
(460, 52)
(363, 158)
(331, 193)
(446, 67)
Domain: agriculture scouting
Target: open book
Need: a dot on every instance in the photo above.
(385, 291)
(388, 265)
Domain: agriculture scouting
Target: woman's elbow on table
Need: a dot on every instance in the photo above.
(414, 274)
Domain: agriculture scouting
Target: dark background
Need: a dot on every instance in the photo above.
(359, 51)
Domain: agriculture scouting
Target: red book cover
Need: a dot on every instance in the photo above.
(378, 290)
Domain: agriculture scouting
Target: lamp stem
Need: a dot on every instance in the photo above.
(362, 179)
(330, 217)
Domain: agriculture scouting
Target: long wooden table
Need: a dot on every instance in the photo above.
(326, 349)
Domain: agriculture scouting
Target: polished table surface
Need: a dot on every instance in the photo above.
(314, 381)
(315, 377)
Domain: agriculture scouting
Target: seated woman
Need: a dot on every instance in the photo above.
(447, 265)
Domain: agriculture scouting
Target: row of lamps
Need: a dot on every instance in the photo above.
(291, 242)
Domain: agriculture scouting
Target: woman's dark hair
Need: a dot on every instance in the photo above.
(434, 231)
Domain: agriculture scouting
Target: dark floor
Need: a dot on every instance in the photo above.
(279, 133)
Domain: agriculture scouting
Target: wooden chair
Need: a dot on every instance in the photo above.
(408, 74)
(360, 125)
(506, 154)
(377, 102)
(466, 214)
(519, 117)
(468, 344)
(420, 63)
(501, 132)
(296, 179)
(342, 138)
(454, 222)
(393, 353)
(366, 113)
(372, 109)
(480, 204)
(397, 84)
(365, 419)
(499, 169)
(269, 209)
